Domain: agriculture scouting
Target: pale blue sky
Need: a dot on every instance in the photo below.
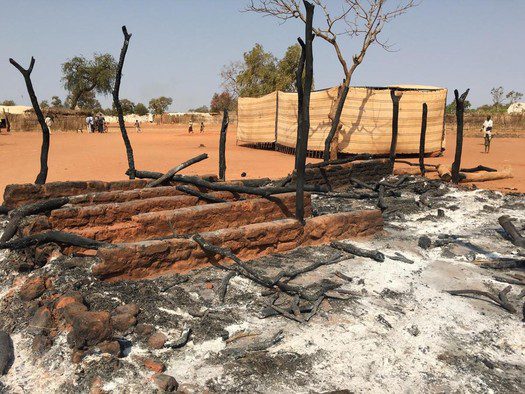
(179, 47)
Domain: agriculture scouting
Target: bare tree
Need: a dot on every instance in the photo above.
(42, 175)
(355, 18)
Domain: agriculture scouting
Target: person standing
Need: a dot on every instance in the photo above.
(190, 127)
(487, 133)
(202, 127)
(137, 126)
(48, 121)
(100, 125)
(89, 123)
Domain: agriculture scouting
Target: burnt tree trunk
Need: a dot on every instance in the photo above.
(395, 124)
(44, 152)
(460, 109)
(118, 107)
(335, 121)
(303, 116)
(422, 139)
(222, 146)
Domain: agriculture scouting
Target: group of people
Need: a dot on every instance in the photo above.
(190, 127)
(96, 123)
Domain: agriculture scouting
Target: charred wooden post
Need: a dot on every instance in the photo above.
(44, 152)
(303, 116)
(396, 96)
(460, 109)
(422, 139)
(341, 97)
(222, 146)
(118, 107)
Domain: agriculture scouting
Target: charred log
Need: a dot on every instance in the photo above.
(167, 176)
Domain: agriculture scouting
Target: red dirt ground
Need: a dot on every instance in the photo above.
(82, 156)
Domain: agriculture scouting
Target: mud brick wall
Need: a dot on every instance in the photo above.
(196, 219)
(147, 259)
(339, 175)
(16, 195)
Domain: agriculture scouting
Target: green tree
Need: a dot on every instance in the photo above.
(202, 109)
(81, 76)
(261, 73)
(44, 104)
(222, 101)
(128, 107)
(141, 109)
(286, 68)
(8, 103)
(159, 105)
(87, 102)
(56, 102)
(451, 108)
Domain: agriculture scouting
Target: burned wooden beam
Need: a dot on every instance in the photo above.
(202, 196)
(500, 299)
(516, 238)
(422, 139)
(352, 249)
(168, 175)
(19, 213)
(44, 151)
(58, 237)
(118, 107)
(460, 109)
(396, 97)
(222, 145)
(303, 113)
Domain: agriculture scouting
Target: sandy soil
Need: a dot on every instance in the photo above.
(82, 156)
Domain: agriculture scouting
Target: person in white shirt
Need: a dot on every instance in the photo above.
(487, 133)
(48, 121)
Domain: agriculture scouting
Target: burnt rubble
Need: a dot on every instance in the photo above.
(213, 329)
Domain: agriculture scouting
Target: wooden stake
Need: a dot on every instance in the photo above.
(118, 107)
(395, 122)
(422, 139)
(303, 116)
(460, 108)
(222, 146)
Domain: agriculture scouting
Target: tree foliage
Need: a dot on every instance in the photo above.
(451, 108)
(44, 104)
(202, 109)
(82, 76)
(128, 106)
(141, 109)
(222, 101)
(8, 103)
(159, 105)
(87, 101)
(260, 73)
(56, 102)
